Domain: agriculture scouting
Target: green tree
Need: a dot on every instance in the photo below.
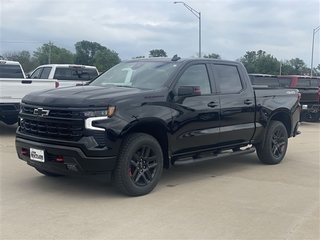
(49, 53)
(249, 61)
(85, 52)
(212, 55)
(260, 62)
(105, 59)
(298, 66)
(157, 53)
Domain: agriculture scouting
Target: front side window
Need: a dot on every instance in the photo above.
(138, 74)
(195, 75)
(228, 78)
(36, 73)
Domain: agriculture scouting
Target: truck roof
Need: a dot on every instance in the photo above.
(68, 65)
(9, 62)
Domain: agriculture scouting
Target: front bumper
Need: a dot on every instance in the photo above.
(63, 160)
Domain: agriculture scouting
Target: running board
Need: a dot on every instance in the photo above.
(215, 156)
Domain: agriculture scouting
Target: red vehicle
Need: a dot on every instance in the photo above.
(310, 94)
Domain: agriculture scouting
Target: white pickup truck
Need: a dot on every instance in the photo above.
(14, 86)
(66, 74)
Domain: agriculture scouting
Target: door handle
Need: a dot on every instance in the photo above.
(212, 104)
(248, 102)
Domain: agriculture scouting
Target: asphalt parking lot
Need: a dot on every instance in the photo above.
(230, 198)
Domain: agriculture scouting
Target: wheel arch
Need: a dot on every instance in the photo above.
(284, 117)
(157, 130)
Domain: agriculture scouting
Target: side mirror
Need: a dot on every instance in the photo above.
(189, 91)
(28, 75)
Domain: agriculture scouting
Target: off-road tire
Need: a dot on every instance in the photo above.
(274, 146)
(139, 165)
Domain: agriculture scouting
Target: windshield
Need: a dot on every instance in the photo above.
(137, 74)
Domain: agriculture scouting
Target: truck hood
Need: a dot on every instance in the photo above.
(79, 96)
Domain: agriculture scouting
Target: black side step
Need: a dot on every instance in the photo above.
(215, 156)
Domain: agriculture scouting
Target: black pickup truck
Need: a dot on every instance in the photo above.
(144, 115)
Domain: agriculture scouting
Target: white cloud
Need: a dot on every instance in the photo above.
(282, 28)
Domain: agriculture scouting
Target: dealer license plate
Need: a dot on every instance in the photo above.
(37, 155)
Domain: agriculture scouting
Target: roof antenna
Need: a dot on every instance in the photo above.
(175, 58)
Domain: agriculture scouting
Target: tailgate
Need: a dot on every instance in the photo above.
(309, 95)
(14, 89)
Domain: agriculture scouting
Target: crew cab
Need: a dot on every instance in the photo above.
(13, 87)
(66, 74)
(144, 115)
(310, 94)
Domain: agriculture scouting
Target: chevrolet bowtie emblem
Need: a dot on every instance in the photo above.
(41, 112)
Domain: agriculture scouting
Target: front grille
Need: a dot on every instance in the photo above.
(56, 113)
(55, 130)
(55, 124)
(60, 124)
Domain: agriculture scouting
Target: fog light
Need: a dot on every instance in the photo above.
(72, 167)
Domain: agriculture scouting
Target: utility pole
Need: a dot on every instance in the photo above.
(313, 33)
(49, 55)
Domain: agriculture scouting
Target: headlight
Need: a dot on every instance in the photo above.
(100, 113)
(94, 116)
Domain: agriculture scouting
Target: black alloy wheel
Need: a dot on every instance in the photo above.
(274, 146)
(139, 165)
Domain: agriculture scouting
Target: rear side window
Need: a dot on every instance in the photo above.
(266, 81)
(228, 78)
(303, 82)
(285, 82)
(45, 73)
(81, 74)
(10, 71)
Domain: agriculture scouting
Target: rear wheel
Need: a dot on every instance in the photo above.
(139, 165)
(274, 147)
(312, 117)
(50, 174)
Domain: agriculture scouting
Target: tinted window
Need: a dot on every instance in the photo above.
(285, 82)
(266, 81)
(76, 74)
(10, 71)
(303, 83)
(45, 73)
(228, 78)
(36, 73)
(196, 75)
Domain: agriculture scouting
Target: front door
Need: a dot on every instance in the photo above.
(195, 122)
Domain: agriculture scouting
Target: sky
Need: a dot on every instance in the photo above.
(230, 28)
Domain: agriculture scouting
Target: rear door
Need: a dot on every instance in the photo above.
(237, 103)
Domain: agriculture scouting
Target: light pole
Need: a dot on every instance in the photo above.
(313, 33)
(198, 15)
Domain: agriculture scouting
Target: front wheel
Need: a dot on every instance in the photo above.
(312, 117)
(274, 146)
(139, 165)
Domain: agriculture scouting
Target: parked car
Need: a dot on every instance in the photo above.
(13, 87)
(265, 80)
(66, 74)
(310, 95)
(144, 115)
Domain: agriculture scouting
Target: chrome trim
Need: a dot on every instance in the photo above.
(88, 123)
